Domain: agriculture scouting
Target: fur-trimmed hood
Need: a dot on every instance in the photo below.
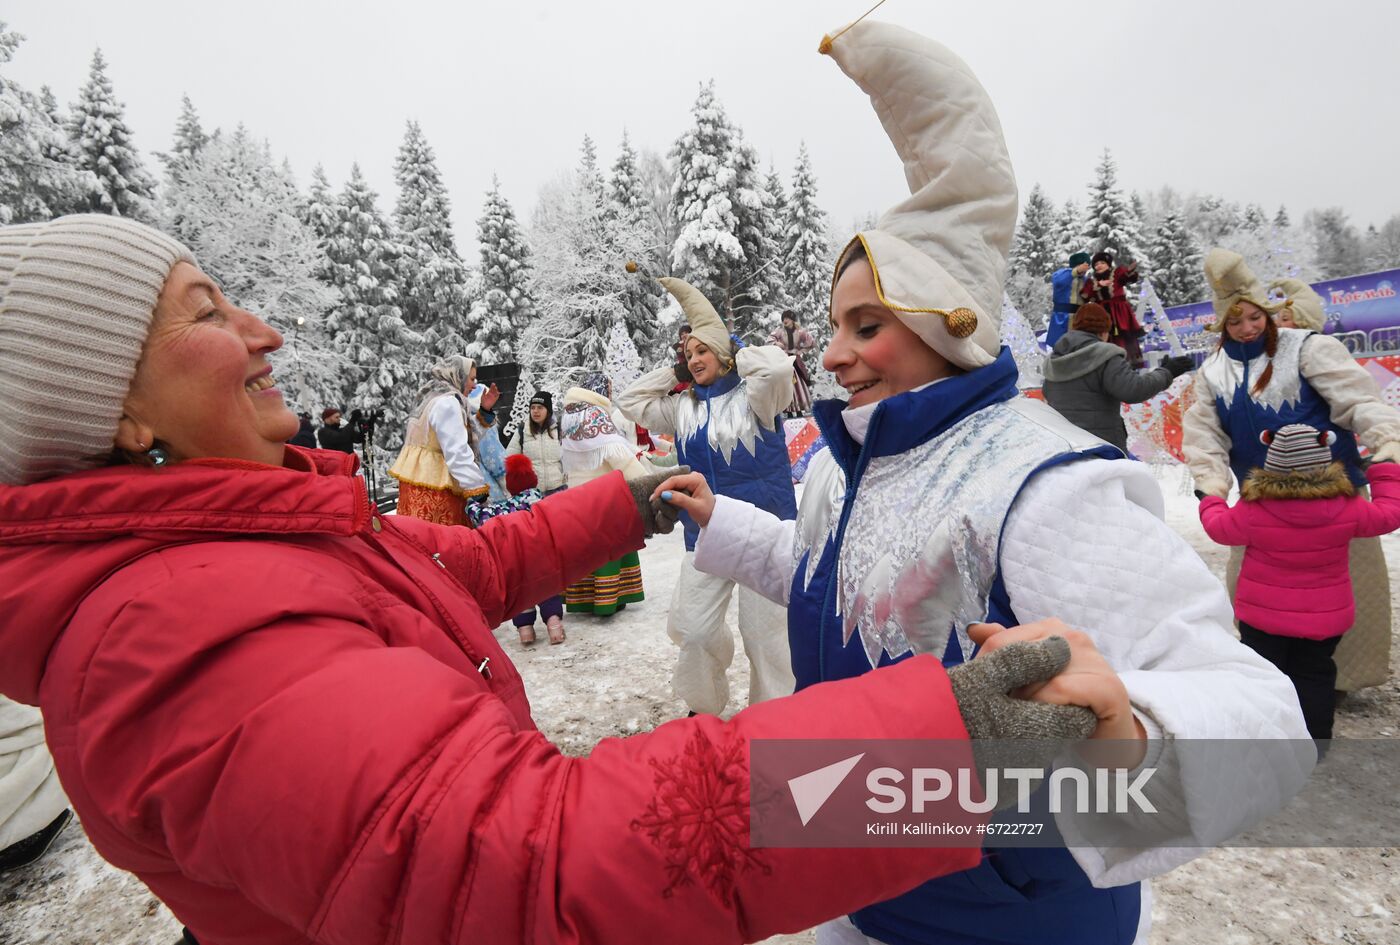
(1329, 482)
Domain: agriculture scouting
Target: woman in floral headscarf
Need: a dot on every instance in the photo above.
(438, 469)
(593, 447)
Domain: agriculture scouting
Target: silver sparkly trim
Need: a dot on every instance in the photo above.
(823, 491)
(921, 545)
(732, 421)
(1224, 374)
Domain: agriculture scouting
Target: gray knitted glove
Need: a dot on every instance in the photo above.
(982, 689)
(658, 518)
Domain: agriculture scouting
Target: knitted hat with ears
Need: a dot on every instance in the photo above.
(1303, 302)
(939, 257)
(1297, 447)
(1232, 281)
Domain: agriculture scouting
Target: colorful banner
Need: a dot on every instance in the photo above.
(804, 441)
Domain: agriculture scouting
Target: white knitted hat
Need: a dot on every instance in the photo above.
(939, 257)
(76, 299)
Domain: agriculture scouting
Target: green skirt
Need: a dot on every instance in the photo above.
(605, 591)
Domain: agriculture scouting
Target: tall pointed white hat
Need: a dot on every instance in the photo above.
(940, 256)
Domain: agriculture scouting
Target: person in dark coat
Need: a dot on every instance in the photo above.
(1088, 380)
(306, 433)
(1107, 285)
(334, 435)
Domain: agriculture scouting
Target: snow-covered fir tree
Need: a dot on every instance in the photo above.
(630, 208)
(1070, 225)
(238, 213)
(1036, 252)
(319, 210)
(1281, 218)
(189, 139)
(434, 300)
(1274, 252)
(1338, 244)
(1177, 275)
(1036, 248)
(717, 203)
(504, 305)
(623, 365)
(1212, 219)
(1254, 218)
(1110, 224)
(807, 257)
(97, 127)
(1383, 245)
(368, 323)
(39, 176)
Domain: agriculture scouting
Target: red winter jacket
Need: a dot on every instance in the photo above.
(289, 717)
(1295, 580)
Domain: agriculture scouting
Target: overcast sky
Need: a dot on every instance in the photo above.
(1272, 102)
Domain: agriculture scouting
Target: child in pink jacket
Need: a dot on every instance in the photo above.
(1295, 519)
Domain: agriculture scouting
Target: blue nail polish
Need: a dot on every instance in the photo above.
(666, 496)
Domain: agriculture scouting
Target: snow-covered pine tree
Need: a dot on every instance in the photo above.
(189, 139)
(717, 203)
(39, 176)
(1281, 218)
(368, 323)
(319, 210)
(1212, 219)
(1254, 218)
(1383, 248)
(248, 235)
(756, 287)
(1111, 224)
(807, 258)
(1036, 252)
(630, 209)
(1070, 225)
(97, 127)
(623, 365)
(1338, 244)
(434, 277)
(1036, 249)
(505, 305)
(1177, 276)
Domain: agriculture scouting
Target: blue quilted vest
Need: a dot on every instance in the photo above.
(718, 421)
(1015, 896)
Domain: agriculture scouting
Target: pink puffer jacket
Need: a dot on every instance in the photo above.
(1295, 530)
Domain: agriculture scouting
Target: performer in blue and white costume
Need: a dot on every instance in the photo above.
(727, 427)
(946, 499)
(1307, 378)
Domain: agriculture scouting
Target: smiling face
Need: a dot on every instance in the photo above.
(203, 387)
(702, 362)
(873, 354)
(1101, 267)
(1248, 324)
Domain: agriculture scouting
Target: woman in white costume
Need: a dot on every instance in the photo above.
(948, 506)
(726, 425)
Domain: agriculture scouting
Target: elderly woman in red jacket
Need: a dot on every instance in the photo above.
(288, 714)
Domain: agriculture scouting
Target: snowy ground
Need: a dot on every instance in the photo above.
(612, 678)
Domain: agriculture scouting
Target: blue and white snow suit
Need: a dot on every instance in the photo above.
(729, 432)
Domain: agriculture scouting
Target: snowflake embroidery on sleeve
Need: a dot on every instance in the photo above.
(698, 817)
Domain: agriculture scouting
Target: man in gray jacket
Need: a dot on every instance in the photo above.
(1088, 380)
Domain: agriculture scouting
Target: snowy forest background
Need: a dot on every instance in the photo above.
(367, 298)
